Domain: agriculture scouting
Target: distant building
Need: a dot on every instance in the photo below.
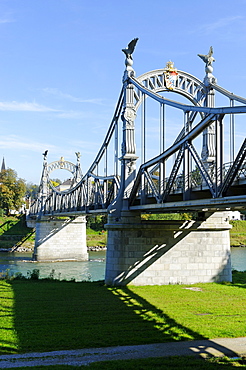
(65, 185)
(235, 215)
(3, 168)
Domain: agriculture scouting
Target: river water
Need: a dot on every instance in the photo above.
(91, 270)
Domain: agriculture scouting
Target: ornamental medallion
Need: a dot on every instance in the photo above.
(171, 75)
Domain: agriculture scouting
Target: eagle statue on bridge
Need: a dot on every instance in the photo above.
(208, 59)
(130, 48)
(45, 154)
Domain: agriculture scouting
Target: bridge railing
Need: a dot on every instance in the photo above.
(195, 177)
(93, 193)
(214, 177)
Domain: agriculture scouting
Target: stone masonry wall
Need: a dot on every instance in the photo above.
(60, 240)
(167, 252)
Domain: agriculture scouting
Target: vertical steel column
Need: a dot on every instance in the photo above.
(106, 161)
(128, 167)
(143, 153)
(96, 187)
(162, 148)
(105, 182)
(116, 147)
(116, 155)
(162, 128)
(218, 152)
(143, 189)
(87, 192)
(186, 161)
(232, 134)
(43, 188)
(208, 147)
(96, 193)
(143, 129)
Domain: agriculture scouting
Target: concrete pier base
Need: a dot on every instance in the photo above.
(168, 252)
(60, 239)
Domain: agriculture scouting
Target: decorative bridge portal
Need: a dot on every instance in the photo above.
(180, 153)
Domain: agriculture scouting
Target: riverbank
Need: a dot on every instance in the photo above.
(29, 249)
(16, 237)
(238, 233)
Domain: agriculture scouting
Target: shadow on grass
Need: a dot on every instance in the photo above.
(15, 226)
(170, 329)
(14, 232)
(8, 338)
(55, 315)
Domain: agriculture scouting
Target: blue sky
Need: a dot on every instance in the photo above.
(61, 66)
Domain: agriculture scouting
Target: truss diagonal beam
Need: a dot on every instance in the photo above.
(190, 136)
(233, 171)
(173, 174)
(201, 168)
(152, 185)
(171, 150)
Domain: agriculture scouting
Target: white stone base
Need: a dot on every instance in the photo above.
(60, 240)
(168, 252)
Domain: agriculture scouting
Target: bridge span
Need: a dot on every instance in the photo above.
(182, 154)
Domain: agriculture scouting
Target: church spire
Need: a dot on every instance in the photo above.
(3, 168)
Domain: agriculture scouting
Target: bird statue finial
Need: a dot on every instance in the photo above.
(130, 48)
(208, 59)
(45, 154)
(129, 61)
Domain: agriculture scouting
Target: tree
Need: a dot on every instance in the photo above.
(96, 222)
(169, 216)
(55, 183)
(12, 190)
(32, 190)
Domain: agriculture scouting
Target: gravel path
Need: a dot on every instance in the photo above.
(235, 347)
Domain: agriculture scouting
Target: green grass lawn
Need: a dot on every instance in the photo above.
(52, 315)
(96, 238)
(13, 230)
(238, 233)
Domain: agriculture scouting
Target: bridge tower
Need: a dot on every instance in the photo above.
(59, 238)
(165, 252)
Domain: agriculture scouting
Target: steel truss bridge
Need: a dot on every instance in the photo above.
(188, 174)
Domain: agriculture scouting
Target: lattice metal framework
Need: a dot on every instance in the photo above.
(193, 178)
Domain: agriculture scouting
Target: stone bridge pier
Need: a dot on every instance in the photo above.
(60, 239)
(168, 252)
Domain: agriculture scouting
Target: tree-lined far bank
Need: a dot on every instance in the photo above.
(12, 190)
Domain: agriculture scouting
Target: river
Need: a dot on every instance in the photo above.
(92, 270)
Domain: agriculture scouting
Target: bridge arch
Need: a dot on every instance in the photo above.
(62, 164)
(185, 84)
